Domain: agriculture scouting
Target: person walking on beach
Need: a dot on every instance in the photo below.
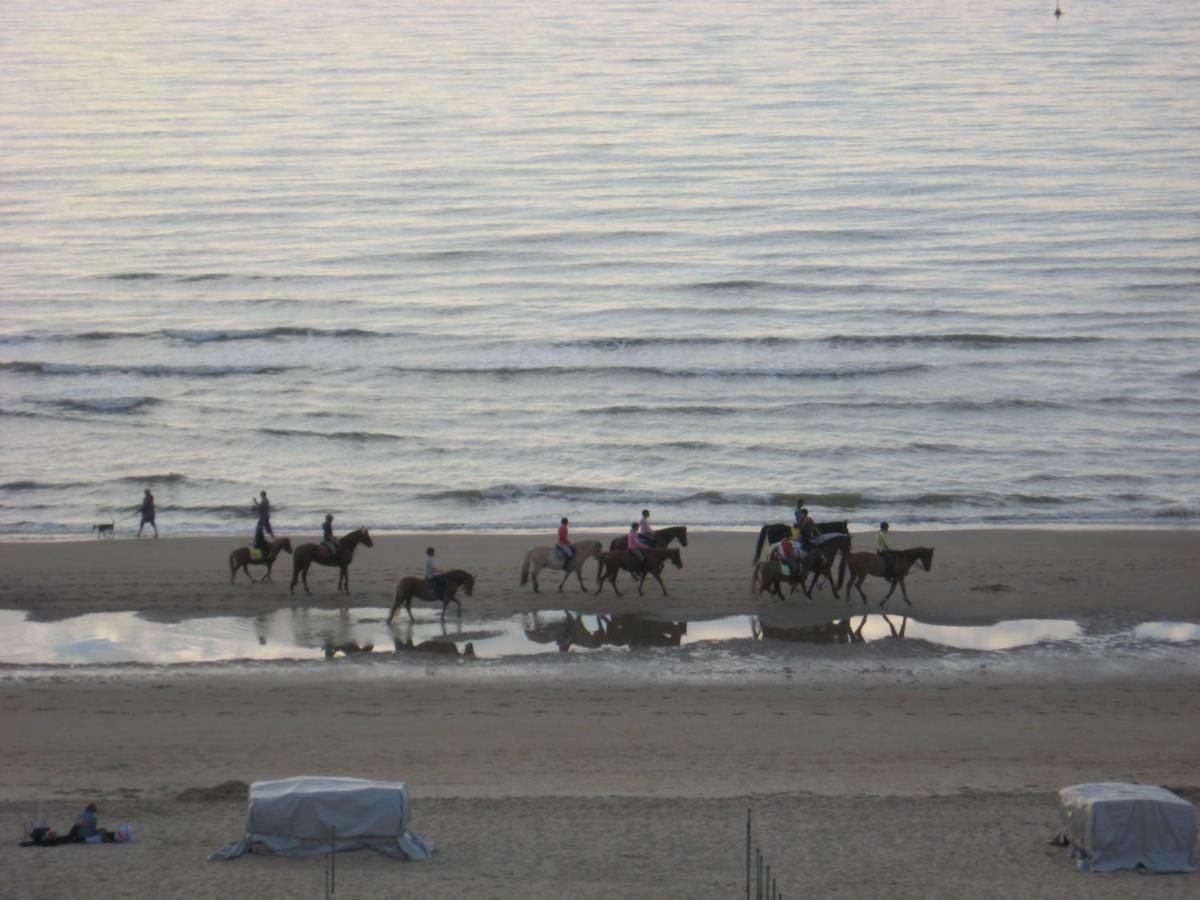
(435, 578)
(563, 544)
(884, 547)
(262, 506)
(147, 510)
(645, 532)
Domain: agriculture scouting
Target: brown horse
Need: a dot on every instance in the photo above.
(773, 534)
(819, 561)
(546, 557)
(612, 562)
(241, 559)
(412, 587)
(769, 576)
(662, 538)
(864, 564)
(307, 554)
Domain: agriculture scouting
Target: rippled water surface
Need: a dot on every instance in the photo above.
(465, 265)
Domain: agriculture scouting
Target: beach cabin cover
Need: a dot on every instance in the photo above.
(1126, 826)
(301, 816)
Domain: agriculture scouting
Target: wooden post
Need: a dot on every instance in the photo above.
(747, 854)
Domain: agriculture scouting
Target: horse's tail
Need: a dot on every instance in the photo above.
(602, 564)
(232, 562)
(525, 568)
(762, 537)
(755, 584)
(842, 568)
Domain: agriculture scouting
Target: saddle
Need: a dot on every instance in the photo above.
(328, 554)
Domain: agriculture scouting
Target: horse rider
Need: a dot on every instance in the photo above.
(435, 578)
(883, 546)
(260, 540)
(262, 506)
(635, 547)
(563, 545)
(645, 532)
(788, 554)
(328, 540)
(809, 533)
(799, 513)
(147, 511)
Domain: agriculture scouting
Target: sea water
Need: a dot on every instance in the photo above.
(475, 265)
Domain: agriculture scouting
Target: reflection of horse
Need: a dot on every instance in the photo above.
(864, 564)
(547, 557)
(662, 538)
(442, 648)
(566, 633)
(411, 587)
(629, 629)
(241, 559)
(836, 631)
(307, 554)
(773, 534)
(612, 562)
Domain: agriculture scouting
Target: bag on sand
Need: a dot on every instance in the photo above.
(124, 833)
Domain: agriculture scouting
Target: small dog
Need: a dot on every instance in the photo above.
(105, 530)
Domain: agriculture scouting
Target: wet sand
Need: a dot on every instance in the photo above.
(581, 788)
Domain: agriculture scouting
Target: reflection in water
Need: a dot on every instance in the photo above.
(105, 638)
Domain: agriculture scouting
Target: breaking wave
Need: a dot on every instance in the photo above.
(155, 371)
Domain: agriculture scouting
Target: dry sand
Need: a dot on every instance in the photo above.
(578, 788)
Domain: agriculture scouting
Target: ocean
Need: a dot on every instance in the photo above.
(478, 266)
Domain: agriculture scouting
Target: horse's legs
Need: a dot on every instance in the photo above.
(536, 589)
(856, 581)
(656, 578)
(904, 592)
(579, 575)
(566, 575)
(392, 611)
(408, 608)
(304, 578)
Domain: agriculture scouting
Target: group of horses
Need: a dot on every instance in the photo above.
(611, 562)
(769, 574)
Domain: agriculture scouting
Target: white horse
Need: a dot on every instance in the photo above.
(546, 558)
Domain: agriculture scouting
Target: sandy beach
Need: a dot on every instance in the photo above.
(576, 787)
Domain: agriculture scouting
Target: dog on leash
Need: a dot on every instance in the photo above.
(105, 530)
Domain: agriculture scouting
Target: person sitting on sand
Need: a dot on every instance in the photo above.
(435, 578)
(147, 510)
(563, 545)
(328, 539)
(884, 547)
(634, 545)
(645, 532)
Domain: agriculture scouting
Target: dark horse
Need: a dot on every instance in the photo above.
(819, 561)
(241, 559)
(662, 538)
(411, 587)
(612, 562)
(307, 554)
(772, 534)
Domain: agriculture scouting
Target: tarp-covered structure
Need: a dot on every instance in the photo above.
(1111, 826)
(311, 816)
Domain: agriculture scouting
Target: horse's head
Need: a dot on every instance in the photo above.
(366, 537)
(675, 557)
(286, 545)
(683, 536)
(468, 583)
(926, 558)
